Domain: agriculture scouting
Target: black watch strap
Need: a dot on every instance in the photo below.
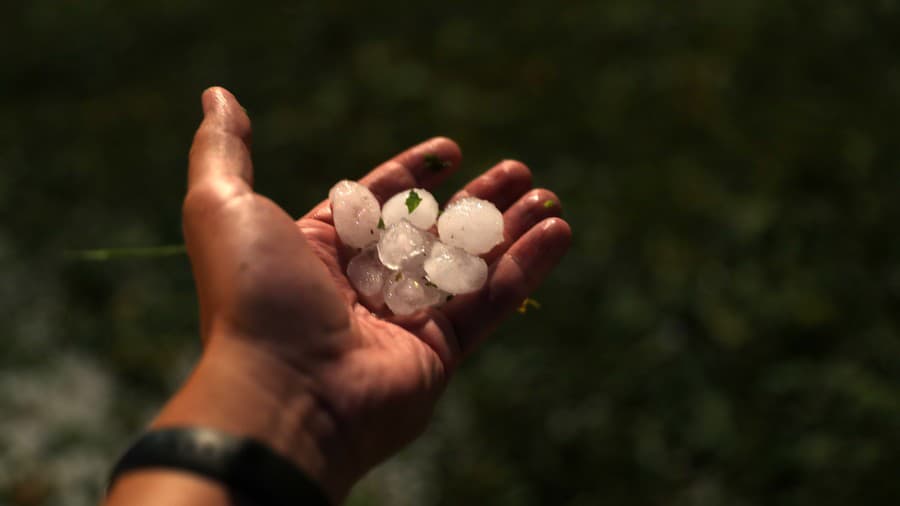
(244, 465)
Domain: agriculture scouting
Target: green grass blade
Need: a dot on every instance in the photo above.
(105, 254)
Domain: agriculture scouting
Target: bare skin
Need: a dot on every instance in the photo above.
(291, 356)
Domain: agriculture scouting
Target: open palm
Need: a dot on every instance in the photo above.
(285, 293)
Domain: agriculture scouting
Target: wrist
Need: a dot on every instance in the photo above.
(246, 392)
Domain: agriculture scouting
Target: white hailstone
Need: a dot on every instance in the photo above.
(356, 213)
(472, 224)
(403, 246)
(366, 272)
(423, 204)
(415, 266)
(455, 271)
(405, 294)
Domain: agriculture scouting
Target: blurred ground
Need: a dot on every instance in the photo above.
(724, 331)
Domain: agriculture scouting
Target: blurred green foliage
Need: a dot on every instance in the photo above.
(724, 331)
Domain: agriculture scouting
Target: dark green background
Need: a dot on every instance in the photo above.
(724, 330)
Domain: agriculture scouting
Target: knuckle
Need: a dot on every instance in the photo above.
(209, 196)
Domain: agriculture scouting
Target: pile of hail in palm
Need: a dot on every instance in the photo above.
(401, 259)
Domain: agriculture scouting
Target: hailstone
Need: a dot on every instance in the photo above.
(455, 271)
(403, 246)
(366, 273)
(417, 206)
(405, 294)
(472, 224)
(355, 212)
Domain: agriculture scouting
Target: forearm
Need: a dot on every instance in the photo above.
(241, 391)
(172, 488)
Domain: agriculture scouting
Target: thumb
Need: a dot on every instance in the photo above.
(220, 171)
(219, 167)
(255, 272)
(221, 148)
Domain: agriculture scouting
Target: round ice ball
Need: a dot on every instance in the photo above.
(405, 294)
(355, 212)
(472, 224)
(425, 208)
(402, 245)
(366, 272)
(455, 271)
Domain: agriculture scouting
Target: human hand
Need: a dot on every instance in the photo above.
(291, 354)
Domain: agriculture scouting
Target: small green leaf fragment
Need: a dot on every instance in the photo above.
(434, 162)
(381, 223)
(549, 203)
(398, 276)
(413, 201)
(528, 303)
(429, 283)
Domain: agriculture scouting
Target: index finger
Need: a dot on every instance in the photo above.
(425, 165)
